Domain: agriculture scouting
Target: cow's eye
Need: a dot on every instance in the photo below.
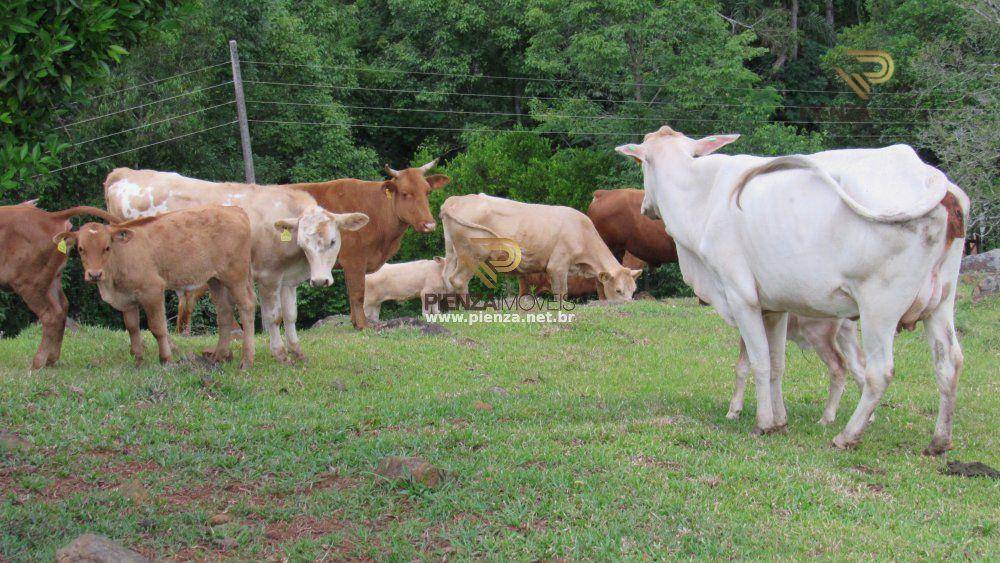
(107, 249)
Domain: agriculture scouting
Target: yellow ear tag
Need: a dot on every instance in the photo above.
(388, 194)
(61, 247)
(286, 236)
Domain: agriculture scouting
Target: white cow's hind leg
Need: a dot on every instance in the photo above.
(270, 311)
(878, 329)
(776, 325)
(948, 360)
(289, 316)
(742, 371)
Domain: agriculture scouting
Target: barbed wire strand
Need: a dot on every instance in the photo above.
(561, 80)
(60, 169)
(567, 116)
(549, 98)
(140, 106)
(153, 123)
(157, 81)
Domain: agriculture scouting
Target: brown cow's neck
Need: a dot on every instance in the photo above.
(349, 195)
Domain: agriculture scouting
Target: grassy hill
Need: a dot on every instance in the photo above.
(601, 439)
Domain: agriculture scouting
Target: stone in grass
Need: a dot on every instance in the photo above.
(220, 519)
(91, 548)
(415, 322)
(411, 469)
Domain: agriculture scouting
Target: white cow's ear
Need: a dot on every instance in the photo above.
(604, 277)
(633, 151)
(439, 259)
(635, 273)
(350, 221)
(708, 145)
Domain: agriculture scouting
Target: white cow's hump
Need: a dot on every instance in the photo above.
(134, 200)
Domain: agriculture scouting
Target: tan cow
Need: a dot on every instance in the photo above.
(294, 239)
(403, 281)
(555, 240)
(134, 262)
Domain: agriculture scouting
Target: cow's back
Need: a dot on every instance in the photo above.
(617, 216)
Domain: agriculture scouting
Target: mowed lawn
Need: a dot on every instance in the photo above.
(600, 440)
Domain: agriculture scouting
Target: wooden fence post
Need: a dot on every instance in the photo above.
(241, 114)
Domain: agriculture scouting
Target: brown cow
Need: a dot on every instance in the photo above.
(392, 206)
(623, 228)
(32, 267)
(134, 262)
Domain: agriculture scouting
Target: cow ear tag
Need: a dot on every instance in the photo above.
(286, 236)
(388, 193)
(61, 247)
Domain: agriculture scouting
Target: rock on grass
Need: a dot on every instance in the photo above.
(92, 548)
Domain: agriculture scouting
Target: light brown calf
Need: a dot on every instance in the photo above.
(554, 240)
(134, 262)
(32, 267)
(401, 282)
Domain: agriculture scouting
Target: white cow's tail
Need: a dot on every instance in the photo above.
(799, 162)
(469, 224)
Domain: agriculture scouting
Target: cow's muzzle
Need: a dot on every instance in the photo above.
(93, 277)
(427, 227)
(650, 211)
(321, 282)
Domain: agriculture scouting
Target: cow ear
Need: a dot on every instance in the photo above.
(68, 236)
(604, 277)
(632, 151)
(122, 235)
(437, 181)
(635, 273)
(350, 221)
(389, 186)
(708, 145)
(290, 224)
(439, 259)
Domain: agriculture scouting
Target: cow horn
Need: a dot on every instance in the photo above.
(391, 172)
(429, 165)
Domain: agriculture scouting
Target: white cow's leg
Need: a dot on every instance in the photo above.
(289, 315)
(776, 325)
(948, 360)
(742, 371)
(850, 348)
(270, 311)
(559, 282)
(878, 330)
(751, 325)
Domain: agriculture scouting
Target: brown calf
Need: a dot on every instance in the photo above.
(134, 262)
(32, 267)
(391, 206)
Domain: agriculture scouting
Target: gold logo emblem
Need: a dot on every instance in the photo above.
(862, 83)
(505, 256)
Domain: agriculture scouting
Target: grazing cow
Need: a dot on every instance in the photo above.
(134, 262)
(579, 286)
(392, 206)
(867, 233)
(617, 214)
(403, 281)
(555, 240)
(32, 267)
(293, 238)
(617, 217)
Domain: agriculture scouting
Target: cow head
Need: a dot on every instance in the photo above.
(95, 242)
(665, 153)
(407, 190)
(619, 285)
(317, 234)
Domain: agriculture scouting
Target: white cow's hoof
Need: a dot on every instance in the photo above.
(824, 421)
(842, 443)
(733, 415)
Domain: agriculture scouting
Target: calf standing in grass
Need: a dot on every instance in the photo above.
(133, 263)
(403, 281)
(32, 267)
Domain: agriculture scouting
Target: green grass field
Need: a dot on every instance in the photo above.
(601, 440)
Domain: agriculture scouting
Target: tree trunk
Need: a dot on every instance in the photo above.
(794, 48)
(829, 14)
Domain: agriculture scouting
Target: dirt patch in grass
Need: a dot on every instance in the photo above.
(648, 461)
(302, 527)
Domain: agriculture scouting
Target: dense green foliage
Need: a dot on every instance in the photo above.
(605, 441)
(522, 98)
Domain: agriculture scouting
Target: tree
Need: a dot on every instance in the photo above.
(50, 53)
